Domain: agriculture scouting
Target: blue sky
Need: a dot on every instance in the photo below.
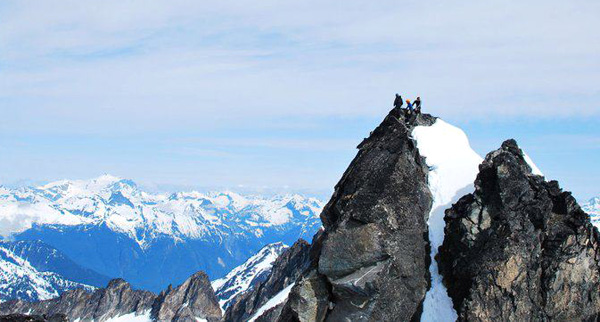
(271, 96)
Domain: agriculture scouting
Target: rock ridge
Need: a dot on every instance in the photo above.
(519, 248)
(371, 262)
(193, 299)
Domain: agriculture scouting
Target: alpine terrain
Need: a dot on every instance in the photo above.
(419, 227)
(111, 226)
(24, 276)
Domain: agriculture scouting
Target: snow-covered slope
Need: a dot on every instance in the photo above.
(592, 207)
(20, 280)
(245, 276)
(113, 227)
(453, 168)
(46, 258)
(279, 298)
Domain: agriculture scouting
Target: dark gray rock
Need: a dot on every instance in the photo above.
(193, 299)
(116, 299)
(33, 318)
(271, 314)
(372, 261)
(519, 248)
(308, 301)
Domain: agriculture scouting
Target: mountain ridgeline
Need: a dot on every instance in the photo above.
(517, 248)
(191, 301)
(114, 228)
(512, 247)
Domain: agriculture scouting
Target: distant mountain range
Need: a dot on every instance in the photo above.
(113, 228)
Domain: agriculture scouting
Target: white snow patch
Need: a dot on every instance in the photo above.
(132, 317)
(534, 169)
(273, 302)
(453, 169)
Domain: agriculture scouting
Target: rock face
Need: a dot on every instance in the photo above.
(286, 270)
(32, 318)
(192, 299)
(116, 299)
(519, 248)
(372, 261)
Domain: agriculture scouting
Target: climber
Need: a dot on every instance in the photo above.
(417, 104)
(398, 101)
(409, 106)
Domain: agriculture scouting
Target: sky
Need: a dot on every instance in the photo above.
(273, 96)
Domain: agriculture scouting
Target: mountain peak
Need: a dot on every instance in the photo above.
(519, 248)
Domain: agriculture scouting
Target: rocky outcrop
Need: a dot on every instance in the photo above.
(192, 299)
(371, 264)
(519, 248)
(116, 299)
(32, 318)
(286, 270)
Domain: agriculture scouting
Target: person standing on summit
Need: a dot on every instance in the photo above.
(409, 106)
(417, 104)
(398, 101)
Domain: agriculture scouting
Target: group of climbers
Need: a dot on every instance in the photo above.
(411, 107)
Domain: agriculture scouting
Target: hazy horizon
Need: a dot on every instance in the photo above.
(277, 95)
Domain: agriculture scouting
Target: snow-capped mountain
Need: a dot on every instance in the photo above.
(113, 227)
(46, 258)
(120, 205)
(244, 277)
(592, 207)
(21, 280)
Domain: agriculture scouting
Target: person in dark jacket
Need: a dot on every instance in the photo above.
(398, 101)
(417, 104)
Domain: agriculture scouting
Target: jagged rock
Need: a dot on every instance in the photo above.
(193, 299)
(33, 318)
(286, 270)
(519, 248)
(308, 300)
(116, 299)
(373, 260)
(271, 314)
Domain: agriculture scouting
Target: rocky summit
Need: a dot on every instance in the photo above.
(372, 259)
(519, 248)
